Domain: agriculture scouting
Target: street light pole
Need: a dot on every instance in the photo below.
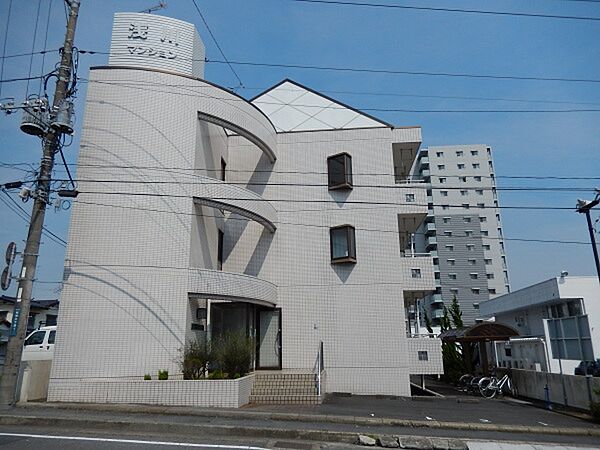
(584, 207)
(14, 349)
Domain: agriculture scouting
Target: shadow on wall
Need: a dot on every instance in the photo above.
(260, 253)
(340, 196)
(343, 271)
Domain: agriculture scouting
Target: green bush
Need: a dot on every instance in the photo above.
(234, 353)
(147, 377)
(194, 359)
(163, 374)
(217, 375)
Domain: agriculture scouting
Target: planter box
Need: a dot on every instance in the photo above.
(206, 393)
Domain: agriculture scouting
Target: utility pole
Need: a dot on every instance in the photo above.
(51, 145)
(585, 207)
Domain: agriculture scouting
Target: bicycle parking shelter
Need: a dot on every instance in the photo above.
(478, 334)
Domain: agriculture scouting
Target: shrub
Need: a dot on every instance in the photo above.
(216, 375)
(234, 353)
(147, 377)
(194, 359)
(163, 374)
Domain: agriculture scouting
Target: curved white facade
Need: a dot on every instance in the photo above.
(162, 249)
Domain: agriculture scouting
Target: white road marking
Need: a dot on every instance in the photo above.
(484, 421)
(429, 418)
(132, 441)
(543, 423)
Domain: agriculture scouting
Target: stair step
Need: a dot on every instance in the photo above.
(285, 399)
(285, 391)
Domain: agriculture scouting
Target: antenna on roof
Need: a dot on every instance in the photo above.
(161, 5)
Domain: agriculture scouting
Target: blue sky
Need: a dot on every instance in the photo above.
(281, 31)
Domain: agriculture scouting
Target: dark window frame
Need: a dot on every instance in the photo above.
(220, 238)
(350, 242)
(347, 175)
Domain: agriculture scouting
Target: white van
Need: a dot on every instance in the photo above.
(39, 345)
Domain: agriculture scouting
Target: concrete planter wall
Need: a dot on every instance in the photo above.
(206, 393)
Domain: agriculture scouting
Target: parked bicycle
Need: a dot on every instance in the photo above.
(469, 383)
(489, 387)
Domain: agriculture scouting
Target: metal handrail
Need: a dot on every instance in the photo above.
(319, 367)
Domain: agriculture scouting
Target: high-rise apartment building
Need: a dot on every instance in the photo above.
(463, 230)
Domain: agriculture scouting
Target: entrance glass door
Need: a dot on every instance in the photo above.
(269, 339)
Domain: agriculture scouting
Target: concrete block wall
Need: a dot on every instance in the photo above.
(434, 364)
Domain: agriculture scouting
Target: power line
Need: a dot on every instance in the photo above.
(407, 72)
(351, 202)
(450, 10)
(193, 170)
(550, 241)
(398, 186)
(4, 43)
(216, 43)
(35, 30)
(26, 217)
(13, 80)
(380, 71)
(161, 89)
(17, 55)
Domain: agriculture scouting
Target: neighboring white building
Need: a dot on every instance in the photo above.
(201, 212)
(563, 312)
(463, 230)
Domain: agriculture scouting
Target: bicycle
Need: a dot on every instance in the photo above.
(469, 383)
(489, 387)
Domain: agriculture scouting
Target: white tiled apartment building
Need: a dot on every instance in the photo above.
(201, 212)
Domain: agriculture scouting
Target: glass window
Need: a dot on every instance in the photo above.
(468, 233)
(490, 276)
(451, 262)
(475, 290)
(479, 191)
(441, 166)
(484, 233)
(466, 219)
(415, 273)
(460, 166)
(488, 262)
(491, 291)
(481, 205)
(339, 170)
(473, 276)
(482, 219)
(445, 206)
(463, 179)
(486, 246)
(444, 193)
(446, 219)
(465, 206)
(475, 165)
(36, 338)
(343, 244)
(51, 319)
(223, 168)
(464, 192)
(442, 180)
(478, 178)
(423, 356)
(472, 261)
(52, 337)
(410, 198)
(447, 233)
(439, 154)
(454, 291)
(574, 308)
(474, 153)
(459, 153)
(452, 276)
(450, 248)
(470, 247)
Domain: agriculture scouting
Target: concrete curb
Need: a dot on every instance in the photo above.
(290, 417)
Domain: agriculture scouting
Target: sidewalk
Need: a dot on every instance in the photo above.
(340, 419)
